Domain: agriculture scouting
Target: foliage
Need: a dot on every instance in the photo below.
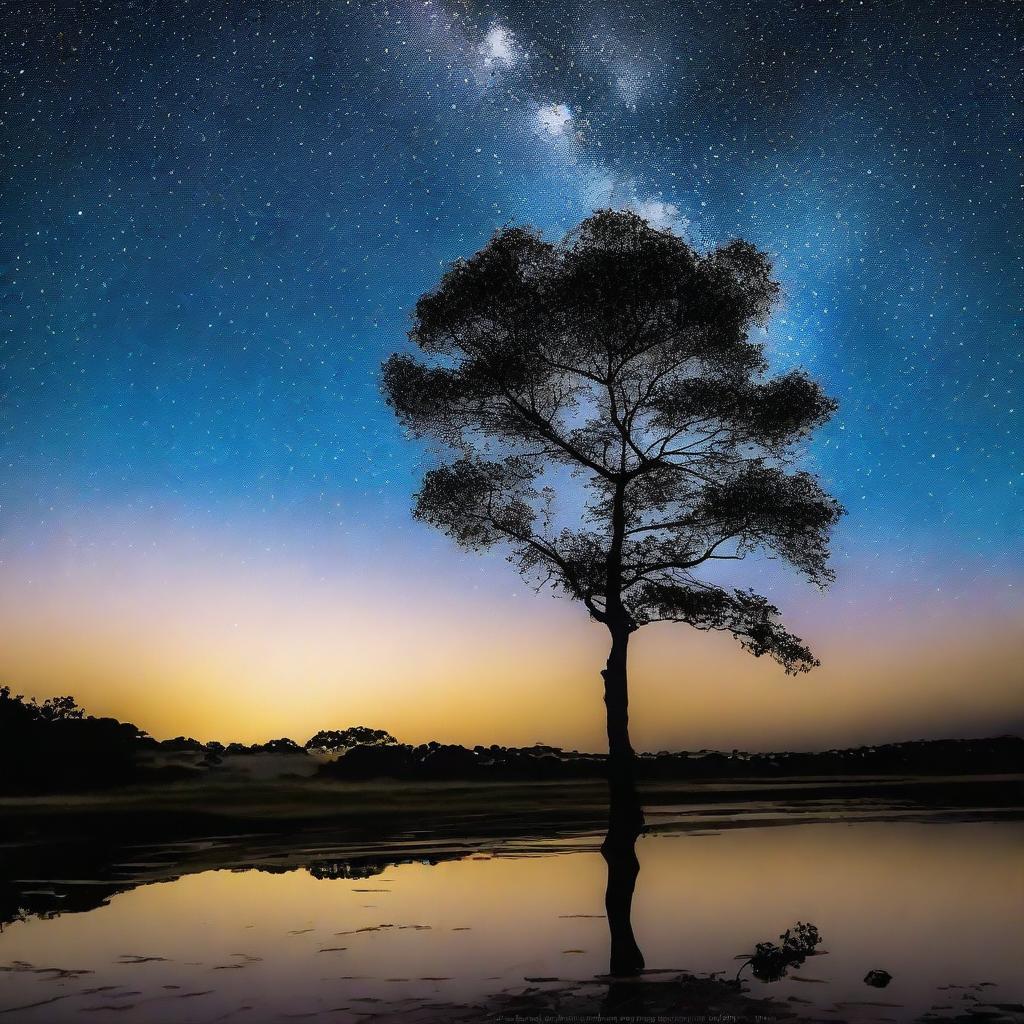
(607, 416)
(53, 745)
(183, 743)
(284, 745)
(771, 961)
(331, 741)
(451, 761)
(14, 707)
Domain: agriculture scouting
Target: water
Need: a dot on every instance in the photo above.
(937, 905)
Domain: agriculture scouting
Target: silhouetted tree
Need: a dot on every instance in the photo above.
(332, 741)
(53, 709)
(53, 745)
(610, 421)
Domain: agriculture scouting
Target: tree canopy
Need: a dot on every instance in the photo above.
(610, 418)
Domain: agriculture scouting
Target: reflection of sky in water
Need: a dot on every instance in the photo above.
(933, 904)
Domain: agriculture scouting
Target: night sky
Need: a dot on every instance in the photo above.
(215, 220)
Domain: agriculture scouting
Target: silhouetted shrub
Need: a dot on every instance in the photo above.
(447, 762)
(281, 746)
(182, 743)
(392, 761)
(331, 741)
(771, 961)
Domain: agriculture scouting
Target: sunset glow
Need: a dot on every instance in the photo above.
(430, 644)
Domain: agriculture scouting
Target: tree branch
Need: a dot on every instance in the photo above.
(642, 571)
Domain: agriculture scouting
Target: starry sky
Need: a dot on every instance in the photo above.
(214, 222)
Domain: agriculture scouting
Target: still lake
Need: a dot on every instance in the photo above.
(936, 904)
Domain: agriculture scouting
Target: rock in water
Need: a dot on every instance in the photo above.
(877, 979)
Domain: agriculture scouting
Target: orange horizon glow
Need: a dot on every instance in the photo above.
(264, 647)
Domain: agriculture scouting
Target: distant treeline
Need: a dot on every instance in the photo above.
(54, 746)
(440, 761)
(326, 741)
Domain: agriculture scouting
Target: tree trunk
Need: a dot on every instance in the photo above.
(625, 804)
(625, 815)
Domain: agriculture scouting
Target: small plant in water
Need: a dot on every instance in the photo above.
(770, 961)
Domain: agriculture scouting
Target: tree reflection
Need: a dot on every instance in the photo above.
(625, 824)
